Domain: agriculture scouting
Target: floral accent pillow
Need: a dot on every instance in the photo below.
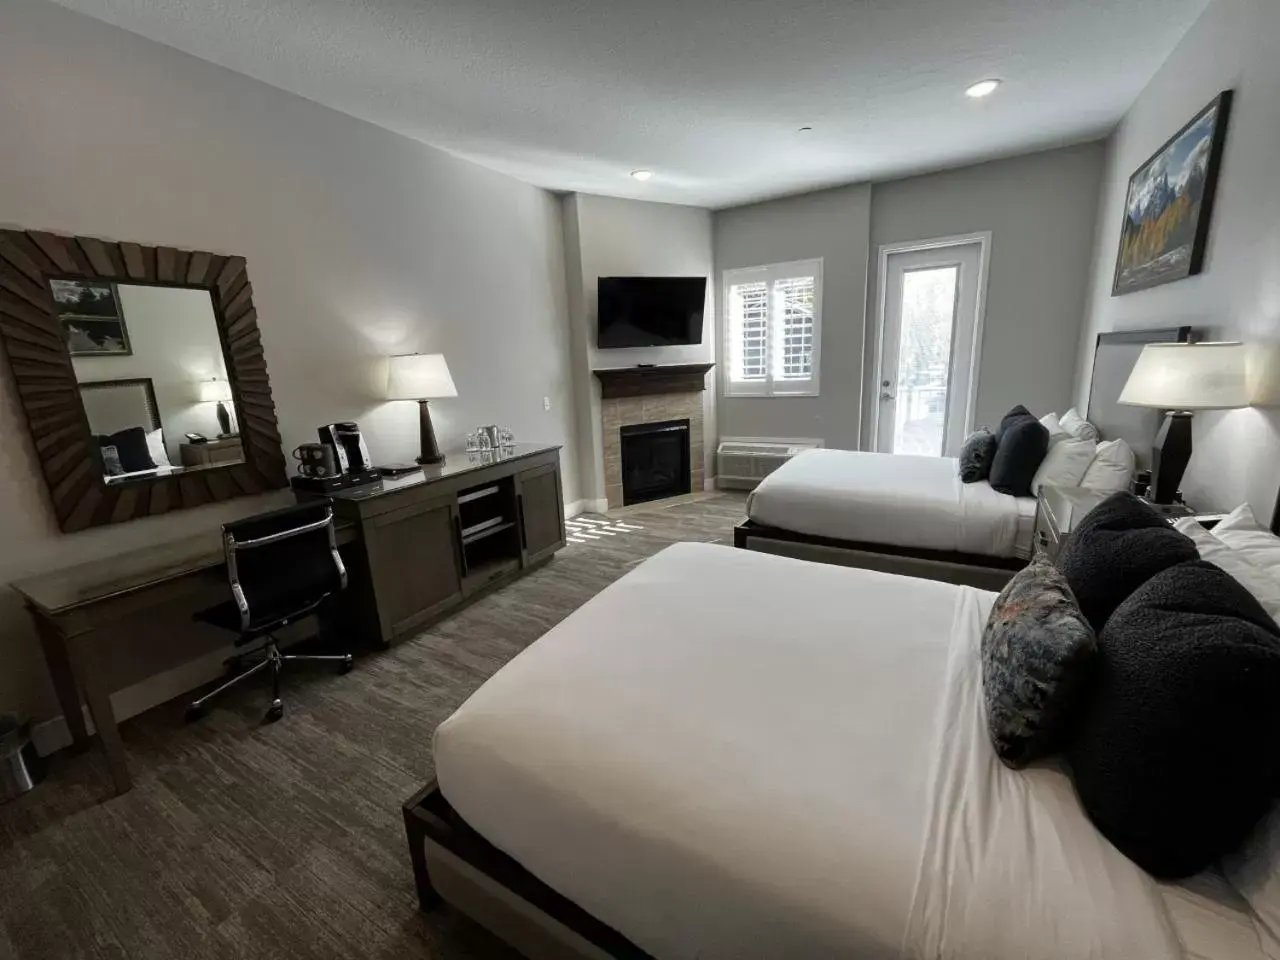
(1037, 651)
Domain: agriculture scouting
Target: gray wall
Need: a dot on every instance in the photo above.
(1235, 44)
(360, 243)
(607, 237)
(833, 225)
(1041, 211)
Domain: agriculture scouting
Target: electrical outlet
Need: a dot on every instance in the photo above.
(546, 403)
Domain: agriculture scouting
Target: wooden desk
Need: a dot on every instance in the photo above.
(75, 607)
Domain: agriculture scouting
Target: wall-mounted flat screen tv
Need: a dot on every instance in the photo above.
(650, 311)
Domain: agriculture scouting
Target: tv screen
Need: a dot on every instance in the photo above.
(650, 311)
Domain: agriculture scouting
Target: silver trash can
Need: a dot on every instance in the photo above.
(21, 768)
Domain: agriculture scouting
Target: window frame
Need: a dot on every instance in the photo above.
(769, 386)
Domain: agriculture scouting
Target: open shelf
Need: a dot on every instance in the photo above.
(486, 529)
(473, 495)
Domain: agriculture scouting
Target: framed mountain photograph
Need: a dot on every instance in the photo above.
(92, 323)
(1170, 204)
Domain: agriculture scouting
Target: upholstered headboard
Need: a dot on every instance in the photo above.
(1113, 361)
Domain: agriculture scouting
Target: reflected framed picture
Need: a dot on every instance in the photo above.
(1170, 203)
(90, 316)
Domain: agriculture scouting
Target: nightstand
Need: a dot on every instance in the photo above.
(1058, 509)
(212, 453)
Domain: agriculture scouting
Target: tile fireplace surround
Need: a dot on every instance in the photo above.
(653, 394)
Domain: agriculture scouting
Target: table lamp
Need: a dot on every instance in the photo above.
(219, 392)
(1181, 378)
(421, 377)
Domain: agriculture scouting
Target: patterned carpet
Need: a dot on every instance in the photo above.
(285, 841)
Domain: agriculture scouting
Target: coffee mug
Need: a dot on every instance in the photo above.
(315, 460)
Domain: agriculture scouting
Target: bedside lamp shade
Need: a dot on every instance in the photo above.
(215, 391)
(419, 376)
(1189, 376)
(1179, 378)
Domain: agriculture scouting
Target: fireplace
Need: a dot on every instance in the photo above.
(655, 461)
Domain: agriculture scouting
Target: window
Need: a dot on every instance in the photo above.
(772, 330)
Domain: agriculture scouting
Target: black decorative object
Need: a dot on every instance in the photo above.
(427, 437)
(1170, 455)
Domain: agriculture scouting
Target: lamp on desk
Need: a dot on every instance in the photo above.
(421, 377)
(1181, 378)
(219, 392)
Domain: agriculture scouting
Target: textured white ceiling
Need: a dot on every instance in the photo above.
(575, 94)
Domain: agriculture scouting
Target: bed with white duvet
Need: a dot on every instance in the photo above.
(727, 754)
(892, 499)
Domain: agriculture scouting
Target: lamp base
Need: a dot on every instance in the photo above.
(427, 437)
(1169, 456)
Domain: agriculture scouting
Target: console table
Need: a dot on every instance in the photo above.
(436, 538)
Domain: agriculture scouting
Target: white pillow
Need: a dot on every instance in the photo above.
(1050, 422)
(155, 447)
(1259, 582)
(1065, 463)
(1242, 533)
(1112, 467)
(1078, 426)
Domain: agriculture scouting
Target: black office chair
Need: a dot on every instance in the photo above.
(282, 566)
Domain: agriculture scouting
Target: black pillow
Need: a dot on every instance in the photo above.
(976, 455)
(131, 447)
(1016, 415)
(1117, 547)
(1037, 651)
(1174, 752)
(1024, 441)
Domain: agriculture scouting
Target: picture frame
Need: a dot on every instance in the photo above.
(1169, 202)
(90, 317)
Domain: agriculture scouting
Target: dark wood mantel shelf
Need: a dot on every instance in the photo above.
(616, 382)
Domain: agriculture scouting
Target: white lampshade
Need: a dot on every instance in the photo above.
(1189, 376)
(419, 376)
(212, 391)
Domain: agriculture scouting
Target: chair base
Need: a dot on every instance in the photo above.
(273, 659)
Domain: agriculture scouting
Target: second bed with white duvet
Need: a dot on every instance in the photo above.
(727, 754)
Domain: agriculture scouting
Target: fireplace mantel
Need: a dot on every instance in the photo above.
(618, 382)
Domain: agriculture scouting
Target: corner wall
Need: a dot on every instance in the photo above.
(607, 237)
(833, 225)
(1041, 211)
(1234, 45)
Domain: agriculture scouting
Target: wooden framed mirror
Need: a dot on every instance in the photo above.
(120, 352)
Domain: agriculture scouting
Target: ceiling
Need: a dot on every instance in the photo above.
(709, 94)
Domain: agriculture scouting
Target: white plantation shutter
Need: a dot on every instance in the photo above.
(772, 329)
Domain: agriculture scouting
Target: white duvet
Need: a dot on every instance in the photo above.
(728, 754)
(903, 501)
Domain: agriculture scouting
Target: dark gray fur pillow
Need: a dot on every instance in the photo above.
(1024, 441)
(1037, 652)
(977, 455)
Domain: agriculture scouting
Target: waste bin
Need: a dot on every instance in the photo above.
(21, 768)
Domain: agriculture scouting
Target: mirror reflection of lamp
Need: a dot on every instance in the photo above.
(219, 392)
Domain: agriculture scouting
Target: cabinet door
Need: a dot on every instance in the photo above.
(540, 509)
(414, 563)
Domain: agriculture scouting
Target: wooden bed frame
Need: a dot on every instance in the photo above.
(454, 864)
(969, 569)
(975, 570)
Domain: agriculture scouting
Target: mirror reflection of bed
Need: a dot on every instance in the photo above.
(150, 366)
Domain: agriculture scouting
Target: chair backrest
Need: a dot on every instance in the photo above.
(284, 561)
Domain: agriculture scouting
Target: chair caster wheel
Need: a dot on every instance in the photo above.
(347, 663)
(275, 712)
(193, 714)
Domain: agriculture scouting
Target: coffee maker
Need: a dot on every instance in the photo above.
(349, 450)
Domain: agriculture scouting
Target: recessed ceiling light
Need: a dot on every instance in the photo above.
(641, 175)
(983, 88)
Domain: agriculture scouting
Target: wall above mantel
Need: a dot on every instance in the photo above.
(652, 379)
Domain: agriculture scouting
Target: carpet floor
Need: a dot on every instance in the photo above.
(286, 840)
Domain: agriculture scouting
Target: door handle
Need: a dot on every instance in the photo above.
(886, 395)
